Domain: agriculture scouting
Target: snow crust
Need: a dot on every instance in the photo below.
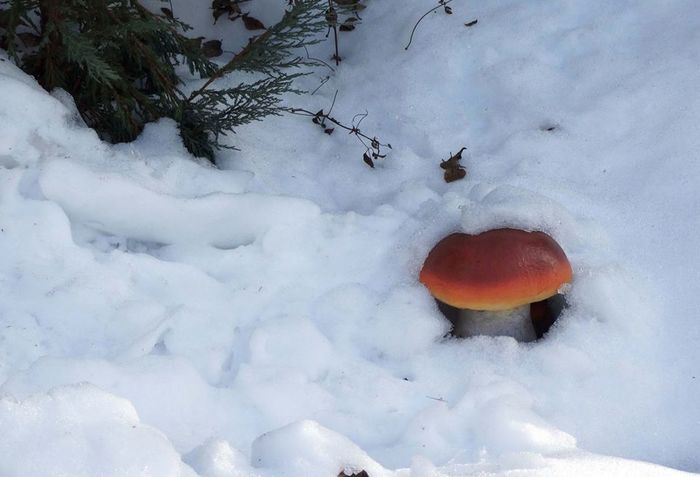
(159, 317)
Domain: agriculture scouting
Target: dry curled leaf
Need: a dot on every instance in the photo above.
(368, 160)
(212, 48)
(471, 23)
(454, 171)
(348, 24)
(225, 7)
(455, 174)
(252, 23)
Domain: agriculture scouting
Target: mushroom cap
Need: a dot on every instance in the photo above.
(495, 270)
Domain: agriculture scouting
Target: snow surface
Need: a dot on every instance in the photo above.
(159, 317)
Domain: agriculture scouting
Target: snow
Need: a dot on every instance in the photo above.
(315, 450)
(160, 317)
(153, 217)
(82, 431)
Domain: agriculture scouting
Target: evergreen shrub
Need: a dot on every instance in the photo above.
(120, 62)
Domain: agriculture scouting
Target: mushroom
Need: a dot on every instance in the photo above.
(492, 277)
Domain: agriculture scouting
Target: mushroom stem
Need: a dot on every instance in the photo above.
(515, 322)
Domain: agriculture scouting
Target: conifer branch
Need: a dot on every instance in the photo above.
(273, 51)
(119, 61)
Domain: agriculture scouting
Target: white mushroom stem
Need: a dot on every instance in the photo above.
(515, 322)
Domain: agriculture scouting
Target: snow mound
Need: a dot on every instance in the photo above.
(218, 219)
(216, 458)
(306, 448)
(82, 432)
(567, 464)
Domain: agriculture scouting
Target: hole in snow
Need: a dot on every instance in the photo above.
(541, 315)
(159, 347)
(8, 162)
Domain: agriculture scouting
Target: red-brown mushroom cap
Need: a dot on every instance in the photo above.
(495, 270)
